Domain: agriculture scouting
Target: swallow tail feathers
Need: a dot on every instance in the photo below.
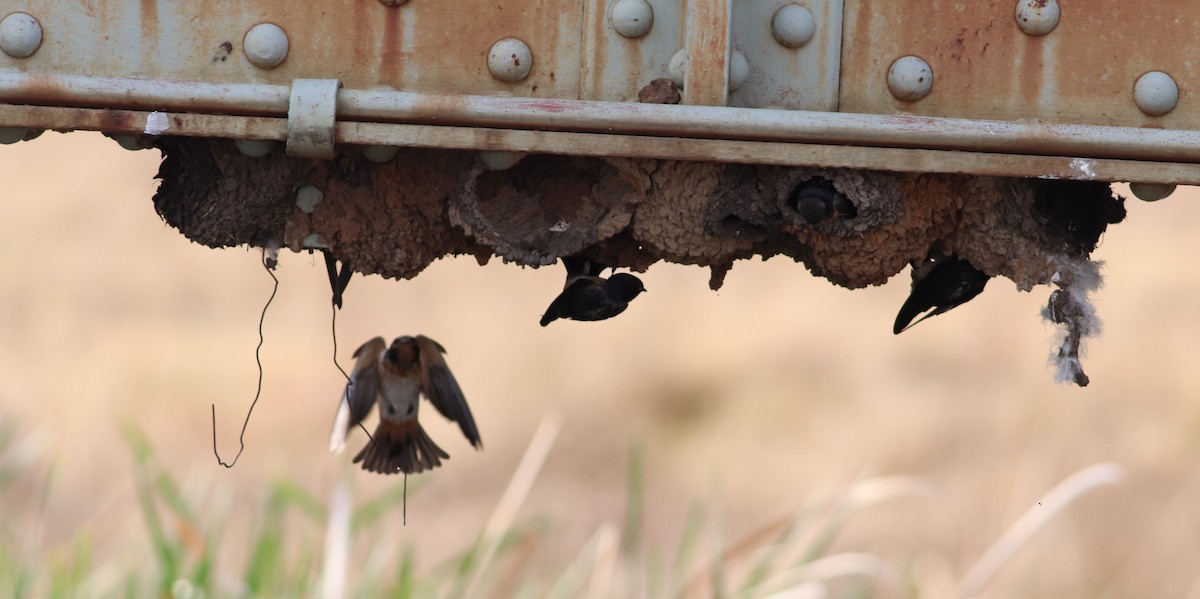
(400, 447)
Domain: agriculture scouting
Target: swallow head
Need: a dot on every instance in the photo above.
(402, 352)
(817, 200)
(624, 286)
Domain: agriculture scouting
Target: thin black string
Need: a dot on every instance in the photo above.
(346, 398)
(266, 262)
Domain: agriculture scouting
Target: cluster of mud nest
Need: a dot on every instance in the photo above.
(396, 218)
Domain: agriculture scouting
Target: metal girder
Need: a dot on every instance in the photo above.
(1084, 70)
(990, 93)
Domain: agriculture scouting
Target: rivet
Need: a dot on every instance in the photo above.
(11, 135)
(255, 148)
(631, 18)
(265, 45)
(1037, 17)
(20, 35)
(131, 141)
(498, 160)
(380, 154)
(1155, 93)
(677, 68)
(307, 198)
(793, 25)
(510, 60)
(1151, 192)
(910, 78)
(739, 69)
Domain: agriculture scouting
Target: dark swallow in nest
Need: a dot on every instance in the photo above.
(939, 285)
(339, 278)
(588, 296)
(817, 201)
(394, 378)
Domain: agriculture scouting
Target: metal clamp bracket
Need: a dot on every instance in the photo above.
(312, 117)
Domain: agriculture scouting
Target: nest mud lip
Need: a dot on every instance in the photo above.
(395, 219)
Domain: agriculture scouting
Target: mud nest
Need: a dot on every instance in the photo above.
(395, 218)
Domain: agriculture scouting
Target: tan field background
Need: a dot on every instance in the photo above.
(753, 400)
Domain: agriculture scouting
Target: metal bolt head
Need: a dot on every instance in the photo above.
(793, 25)
(380, 154)
(677, 68)
(510, 60)
(1151, 192)
(1037, 17)
(739, 69)
(1155, 93)
(20, 35)
(265, 45)
(631, 18)
(910, 78)
(255, 148)
(131, 142)
(499, 160)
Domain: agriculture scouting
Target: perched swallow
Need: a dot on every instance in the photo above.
(339, 279)
(939, 285)
(588, 296)
(395, 377)
(817, 200)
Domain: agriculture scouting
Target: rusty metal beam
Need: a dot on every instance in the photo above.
(633, 146)
(703, 122)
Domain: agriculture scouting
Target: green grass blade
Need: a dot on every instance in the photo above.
(631, 535)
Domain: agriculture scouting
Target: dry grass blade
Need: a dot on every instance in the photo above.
(835, 566)
(1034, 519)
(337, 543)
(514, 496)
(580, 574)
(604, 565)
(885, 488)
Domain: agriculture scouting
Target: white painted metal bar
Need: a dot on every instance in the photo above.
(632, 146)
(17, 87)
(625, 118)
(710, 122)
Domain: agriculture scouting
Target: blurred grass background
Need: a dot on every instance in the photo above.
(741, 409)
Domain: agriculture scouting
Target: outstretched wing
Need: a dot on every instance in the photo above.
(439, 385)
(360, 392)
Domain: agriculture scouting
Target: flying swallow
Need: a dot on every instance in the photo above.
(339, 279)
(588, 296)
(394, 378)
(939, 285)
(817, 200)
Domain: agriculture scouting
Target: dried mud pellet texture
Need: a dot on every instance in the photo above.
(675, 218)
(388, 219)
(395, 219)
(545, 207)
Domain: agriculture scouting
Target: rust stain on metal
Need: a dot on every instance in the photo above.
(391, 60)
(987, 68)
(369, 42)
(708, 47)
(113, 120)
(149, 18)
(445, 53)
